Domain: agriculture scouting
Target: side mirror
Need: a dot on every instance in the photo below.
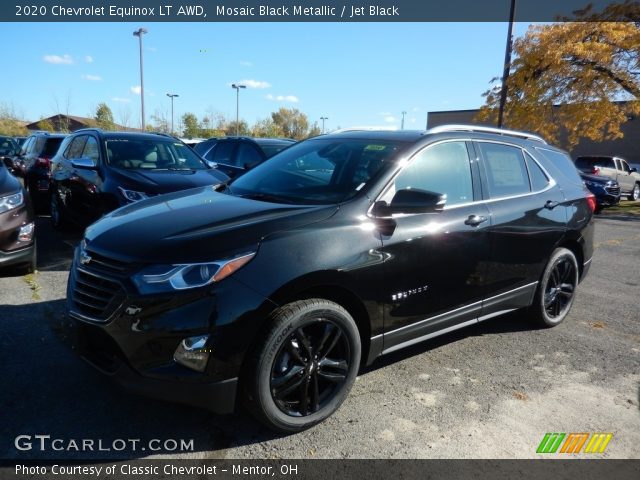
(633, 170)
(211, 164)
(83, 163)
(412, 201)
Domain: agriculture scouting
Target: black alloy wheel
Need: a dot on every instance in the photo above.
(556, 290)
(310, 368)
(304, 367)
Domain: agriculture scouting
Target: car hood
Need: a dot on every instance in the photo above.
(8, 183)
(165, 181)
(193, 226)
(596, 178)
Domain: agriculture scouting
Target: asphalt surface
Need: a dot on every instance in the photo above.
(489, 391)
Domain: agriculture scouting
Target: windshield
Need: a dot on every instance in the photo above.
(151, 154)
(318, 171)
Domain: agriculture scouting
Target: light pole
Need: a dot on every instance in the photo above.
(138, 33)
(323, 119)
(402, 124)
(507, 64)
(172, 96)
(238, 87)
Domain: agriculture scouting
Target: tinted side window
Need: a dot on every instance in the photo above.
(26, 146)
(505, 168)
(91, 150)
(625, 166)
(37, 146)
(76, 147)
(222, 153)
(539, 180)
(248, 156)
(443, 168)
(559, 164)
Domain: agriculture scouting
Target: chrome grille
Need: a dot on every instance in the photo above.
(613, 190)
(95, 296)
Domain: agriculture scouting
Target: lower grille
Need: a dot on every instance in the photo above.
(94, 296)
(613, 190)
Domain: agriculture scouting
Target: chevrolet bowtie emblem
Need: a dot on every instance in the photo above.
(84, 258)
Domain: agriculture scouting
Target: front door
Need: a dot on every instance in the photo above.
(435, 261)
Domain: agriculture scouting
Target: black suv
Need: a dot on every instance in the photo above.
(236, 155)
(276, 288)
(97, 171)
(33, 163)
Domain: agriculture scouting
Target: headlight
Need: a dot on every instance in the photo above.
(592, 184)
(132, 195)
(11, 201)
(167, 278)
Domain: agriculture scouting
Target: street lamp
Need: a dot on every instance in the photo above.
(172, 96)
(402, 125)
(323, 119)
(238, 87)
(138, 33)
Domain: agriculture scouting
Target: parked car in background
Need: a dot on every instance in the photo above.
(17, 227)
(192, 142)
(236, 155)
(614, 168)
(33, 164)
(8, 149)
(275, 289)
(606, 191)
(20, 140)
(97, 171)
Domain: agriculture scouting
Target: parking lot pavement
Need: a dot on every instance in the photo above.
(489, 391)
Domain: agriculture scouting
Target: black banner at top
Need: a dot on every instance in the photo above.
(308, 11)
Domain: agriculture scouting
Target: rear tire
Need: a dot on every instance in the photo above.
(556, 290)
(305, 366)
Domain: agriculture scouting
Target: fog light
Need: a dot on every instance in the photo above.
(192, 354)
(26, 232)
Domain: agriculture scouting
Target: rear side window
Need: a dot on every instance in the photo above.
(506, 170)
(248, 156)
(443, 168)
(91, 150)
(559, 164)
(270, 150)
(539, 180)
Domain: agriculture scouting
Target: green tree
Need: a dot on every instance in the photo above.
(292, 122)
(238, 128)
(567, 78)
(46, 125)
(266, 128)
(191, 125)
(10, 123)
(314, 131)
(104, 117)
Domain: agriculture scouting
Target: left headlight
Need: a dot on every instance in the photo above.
(167, 278)
(11, 201)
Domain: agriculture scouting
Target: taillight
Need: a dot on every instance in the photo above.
(43, 162)
(595, 170)
(591, 201)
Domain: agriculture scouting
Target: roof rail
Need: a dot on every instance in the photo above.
(88, 129)
(478, 128)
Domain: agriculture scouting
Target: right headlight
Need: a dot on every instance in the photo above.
(11, 201)
(168, 278)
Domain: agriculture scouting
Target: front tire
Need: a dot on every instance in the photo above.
(305, 366)
(556, 290)
(635, 193)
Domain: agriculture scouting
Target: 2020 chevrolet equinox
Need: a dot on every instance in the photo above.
(276, 288)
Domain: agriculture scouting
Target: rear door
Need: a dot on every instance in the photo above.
(528, 218)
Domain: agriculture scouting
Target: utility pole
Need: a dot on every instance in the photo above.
(138, 33)
(507, 64)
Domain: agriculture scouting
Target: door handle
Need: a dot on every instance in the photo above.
(475, 220)
(550, 205)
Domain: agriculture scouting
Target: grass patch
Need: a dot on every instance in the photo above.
(625, 207)
(33, 284)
